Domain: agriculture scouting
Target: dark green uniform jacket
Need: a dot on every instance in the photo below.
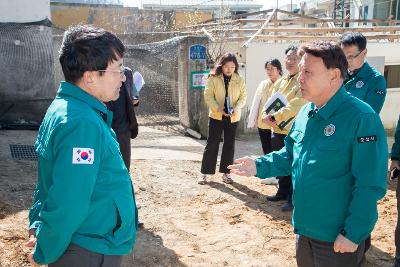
(84, 193)
(338, 161)
(369, 85)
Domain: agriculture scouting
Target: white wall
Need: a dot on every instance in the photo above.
(21, 11)
(258, 53)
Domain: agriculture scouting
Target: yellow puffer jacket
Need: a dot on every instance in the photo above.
(214, 95)
(290, 88)
(264, 90)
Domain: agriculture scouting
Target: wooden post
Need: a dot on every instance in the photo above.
(246, 44)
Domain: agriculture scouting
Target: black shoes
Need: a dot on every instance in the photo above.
(277, 197)
(140, 224)
(287, 207)
(397, 260)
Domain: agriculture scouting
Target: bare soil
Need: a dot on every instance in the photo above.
(186, 224)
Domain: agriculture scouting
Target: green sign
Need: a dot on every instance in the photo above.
(198, 79)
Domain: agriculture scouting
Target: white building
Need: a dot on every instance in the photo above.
(356, 9)
(229, 7)
(89, 2)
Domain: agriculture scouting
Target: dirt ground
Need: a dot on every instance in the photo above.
(186, 224)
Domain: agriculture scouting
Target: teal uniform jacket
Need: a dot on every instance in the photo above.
(338, 159)
(84, 193)
(396, 145)
(369, 85)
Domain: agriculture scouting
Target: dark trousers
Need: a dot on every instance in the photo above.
(265, 137)
(124, 141)
(285, 182)
(79, 257)
(215, 129)
(314, 253)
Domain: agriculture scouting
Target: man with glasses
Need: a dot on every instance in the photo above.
(363, 81)
(84, 211)
(281, 120)
(334, 194)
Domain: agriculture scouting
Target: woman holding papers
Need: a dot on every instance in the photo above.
(225, 95)
(273, 69)
(280, 113)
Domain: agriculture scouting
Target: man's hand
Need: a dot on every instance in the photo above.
(221, 109)
(343, 245)
(31, 260)
(32, 238)
(30, 244)
(135, 102)
(394, 164)
(270, 121)
(245, 166)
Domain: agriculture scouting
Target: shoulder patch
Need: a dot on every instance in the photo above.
(366, 139)
(380, 92)
(82, 155)
(359, 84)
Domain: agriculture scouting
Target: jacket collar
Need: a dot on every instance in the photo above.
(74, 91)
(288, 76)
(363, 72)
(233, 78)
(69, 89)
(329, 108)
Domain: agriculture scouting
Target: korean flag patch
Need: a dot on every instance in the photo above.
(82, 155)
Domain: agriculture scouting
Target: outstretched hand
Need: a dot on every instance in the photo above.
(245, 166)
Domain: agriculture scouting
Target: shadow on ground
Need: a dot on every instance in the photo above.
(149, 251)
(377, 257)
(253, 199)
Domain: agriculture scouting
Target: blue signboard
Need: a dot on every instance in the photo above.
(197, 52)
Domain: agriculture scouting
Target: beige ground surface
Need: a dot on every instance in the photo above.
(185, 224)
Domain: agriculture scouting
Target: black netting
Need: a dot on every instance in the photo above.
(26, 72)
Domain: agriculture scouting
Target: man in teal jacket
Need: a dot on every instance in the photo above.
(395, 164)
(84, 211)
(364, 81)
(337, 154)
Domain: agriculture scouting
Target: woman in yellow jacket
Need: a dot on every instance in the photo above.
(225, 95)
(273, 69)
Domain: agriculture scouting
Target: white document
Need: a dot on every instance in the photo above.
(253, 115)
(138, 81)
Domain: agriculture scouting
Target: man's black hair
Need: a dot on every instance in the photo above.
(291, 48)
(354, 38)
(88, 48)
